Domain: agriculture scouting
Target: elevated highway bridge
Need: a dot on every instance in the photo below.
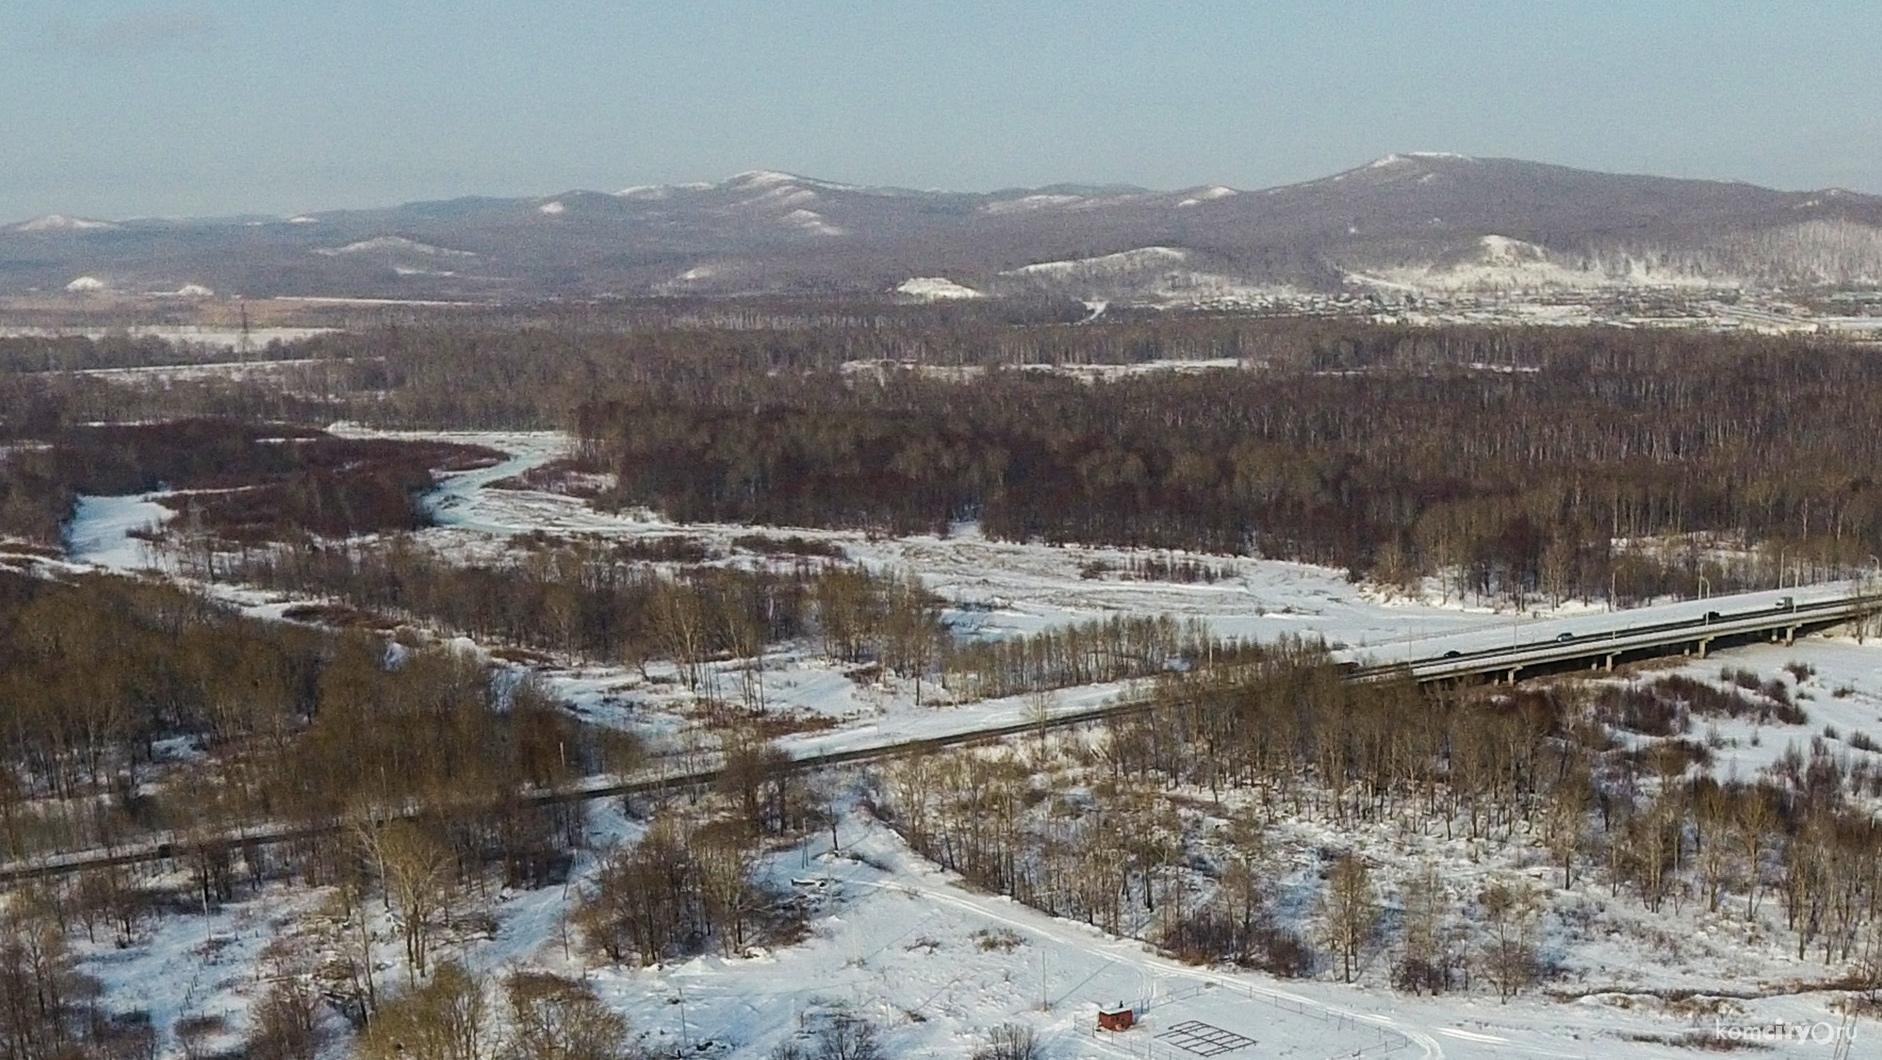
(1601, 642)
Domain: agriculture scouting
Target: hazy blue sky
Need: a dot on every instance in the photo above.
(119, 108)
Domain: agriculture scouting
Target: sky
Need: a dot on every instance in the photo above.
(120, 108)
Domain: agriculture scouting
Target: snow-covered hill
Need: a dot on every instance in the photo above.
(1433, 223)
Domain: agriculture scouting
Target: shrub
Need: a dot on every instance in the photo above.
(1009, 1041)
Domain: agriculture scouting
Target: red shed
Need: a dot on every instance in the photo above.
(1116, 1019)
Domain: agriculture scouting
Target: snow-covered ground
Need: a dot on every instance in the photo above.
(894, 939)
(101, 531)
(901, 942)
(1841, 690)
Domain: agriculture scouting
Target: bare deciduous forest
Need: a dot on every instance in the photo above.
(1520, 476)
(1525, 467)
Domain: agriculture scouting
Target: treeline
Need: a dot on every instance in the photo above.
(130, 709)
(72, 353)
(1089, 829)
(256, 481)
(606, 602)
(534, 366)
(1524, 482)
(1114, 648)
(35, 405)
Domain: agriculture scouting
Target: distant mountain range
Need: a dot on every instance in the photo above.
(1428, 225)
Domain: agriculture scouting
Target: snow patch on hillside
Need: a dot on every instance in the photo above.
(1122, 261)
(763, 178)
(1151, 275)
(935, 289)
(1401, 158)
(1209, 195)
(690, 280)
(389, 244)
(656, 192)
(1031, 202)
(784, 195)
(759, 178)
(1501, 263)
(812, 221)
(56, 222)
(551, 208)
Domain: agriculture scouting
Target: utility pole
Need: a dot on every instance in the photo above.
(1045, 1002)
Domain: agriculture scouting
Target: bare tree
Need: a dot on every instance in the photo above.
(552, 1018)
(444, 1019)
(419, 877)
(1010, 1041)
(1426, 961)
(847, 1037)
(1508, 956)
(285, 1020)
(1349, 911)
